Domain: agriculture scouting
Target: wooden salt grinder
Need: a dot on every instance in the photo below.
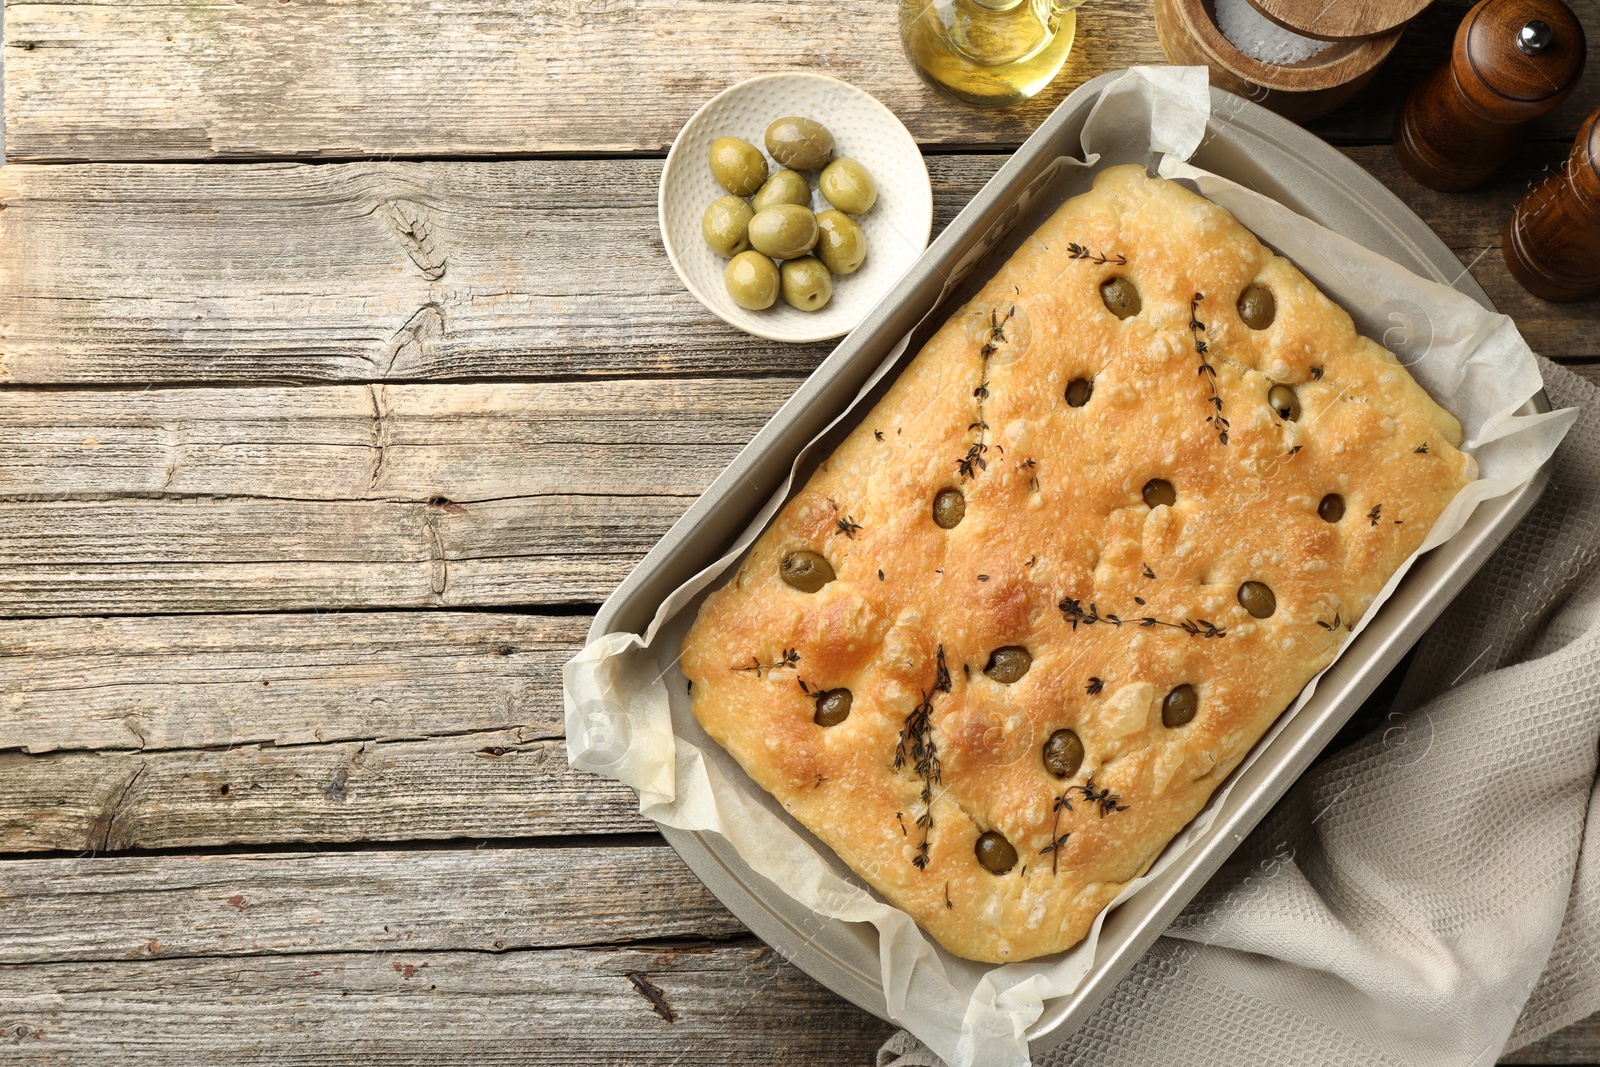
(1513, 60)
(1552, 239)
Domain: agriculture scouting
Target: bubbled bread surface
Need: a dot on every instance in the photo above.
(1117, 602)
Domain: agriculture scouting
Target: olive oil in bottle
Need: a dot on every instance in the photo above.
(988, 51)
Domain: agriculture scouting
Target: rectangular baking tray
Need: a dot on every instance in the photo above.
(1255, 148)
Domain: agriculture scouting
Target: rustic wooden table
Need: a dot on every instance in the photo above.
(344, 375)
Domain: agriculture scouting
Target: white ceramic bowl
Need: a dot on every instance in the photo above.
(897, 226)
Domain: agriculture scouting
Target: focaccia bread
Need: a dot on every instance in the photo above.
(1168, 519)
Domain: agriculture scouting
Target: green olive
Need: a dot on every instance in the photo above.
(848, 186)
(1179, 706)
(806, 283)
(726, 225)
(787, 231)
(949, 508)
(1079, 390)
(752, 280)
(1008, 664)
(841, 243)
(1121, 298)
(784, 187)
(833, 707)
(1331, 508)
(995, 852)
(1281, 398)
(803, 144)
(1158, 491)
(1063, 754)
(806, 571)
(1257, 307)
(738, 166)
(1257, 598)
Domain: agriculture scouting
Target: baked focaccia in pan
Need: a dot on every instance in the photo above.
(1094, 539)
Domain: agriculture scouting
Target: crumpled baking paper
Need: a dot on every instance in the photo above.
(622, 722)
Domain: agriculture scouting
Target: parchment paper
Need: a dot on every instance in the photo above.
(621, 721)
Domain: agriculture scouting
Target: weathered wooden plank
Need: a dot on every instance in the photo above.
(428, 900)
(1578, 1043)
(176, 79)
(216, 681)
(465, 443)
(487, 785)
(652, 1006)
(122, 556)
(128, 273)
(184, 80)
(131, 273)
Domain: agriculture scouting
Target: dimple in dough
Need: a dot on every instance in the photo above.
(1059, 554)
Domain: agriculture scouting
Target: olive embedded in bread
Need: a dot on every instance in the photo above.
(1079, 390)
(1283, 400)
(841, 243)
(995, 853)
(1179, 706)
(752, 280)
(1258, 599)
(786, 231)
(833, 707)
(1121, 298)
(848, 186)
(806, 571)
(1063, 754)
(1331, 508)
(784, 187)
(738, 166)
(803, 144)
(806, 283)
(1158, 491)
(1008, 664)
(726, 225)
(1257, 307)
(949, 508)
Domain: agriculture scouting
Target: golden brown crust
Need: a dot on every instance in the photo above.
(1058, 553)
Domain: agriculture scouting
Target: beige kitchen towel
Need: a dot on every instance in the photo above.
(1430, 895)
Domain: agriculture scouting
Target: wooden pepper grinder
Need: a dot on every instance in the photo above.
(1552, 239)
(1513, 60)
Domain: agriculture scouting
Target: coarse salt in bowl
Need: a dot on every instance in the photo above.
(897, 226)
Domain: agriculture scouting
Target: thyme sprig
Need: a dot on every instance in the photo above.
(847, 526)
(1077, 251)
(1207, 371)
(1105, 799)
(1095, 687)
(1075, 613)
(969, 465)
(1053, 849)
(917, 746)
(791, 657)
(1376, 513)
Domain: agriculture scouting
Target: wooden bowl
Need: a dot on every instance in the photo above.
(1300, 91)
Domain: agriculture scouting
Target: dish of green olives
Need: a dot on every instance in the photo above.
(790, 203)
(778, 222)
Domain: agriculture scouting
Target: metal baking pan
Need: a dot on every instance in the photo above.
(1258, 149)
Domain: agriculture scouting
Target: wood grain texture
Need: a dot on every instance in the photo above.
(551, 268)
(129, 273)
(134, 501)
(494, 784)
(467, 900)
(1578, 1043)
(735, 1005)
(203, 79)
(453, 445)
(176, 79)
(172, 682)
